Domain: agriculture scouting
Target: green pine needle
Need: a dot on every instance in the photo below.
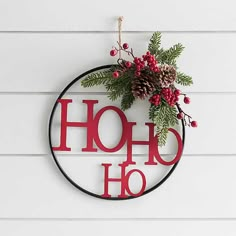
(183, 79)
(127, 101)
(98, 78)
(164, 117)
(162, 137)
(118, 87)
(170, 55)
(155, 43)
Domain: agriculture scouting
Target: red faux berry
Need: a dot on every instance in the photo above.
(155, 100)
(115, 74)
(177, 92)
(128, 64)
(113, 52)
(180, 115)
(125, 45)
(186, 100)
(137, 73)
(172, 100)
(194, 124)
(151, 59)
(167, 93)
(136, 61)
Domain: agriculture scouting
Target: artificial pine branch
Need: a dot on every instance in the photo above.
(155, 43)
(117, 87)
(127, 100)
(170, 55)
(162, 136)
(183, 79)
(98, 78)
(163, 116)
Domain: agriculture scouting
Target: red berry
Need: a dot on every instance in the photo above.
(194, 124)
(151, 59)
(186, 100)
(180, 115)
(113, 52)
(148, 53)
(115, 74)
(138, 68)
(128, 64)
(155, 100)
(137, 73)
(125, 45)
(136, 61)
(157, 69)
(177, 92)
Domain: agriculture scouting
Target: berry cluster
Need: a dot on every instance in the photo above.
(114, 52)
(187, 119)
(170, 96)
(147, 60)
(151, 62)
(183, 116)
(139, 65)
(155, 99)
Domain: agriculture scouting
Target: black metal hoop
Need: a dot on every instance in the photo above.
(62, 170)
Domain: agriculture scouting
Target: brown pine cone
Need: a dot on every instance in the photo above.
(166, 75)
(143, 86)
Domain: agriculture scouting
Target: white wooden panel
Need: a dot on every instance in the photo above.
(101, 15)
(48, 62)
(200, 187)
(130, 227)
(24, 123)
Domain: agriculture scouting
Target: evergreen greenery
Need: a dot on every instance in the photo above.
(164, 116)
(98, 78)
(183, 79)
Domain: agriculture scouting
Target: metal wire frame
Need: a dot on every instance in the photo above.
(61, 168)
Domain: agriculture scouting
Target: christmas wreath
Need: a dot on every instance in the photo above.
(154, 76)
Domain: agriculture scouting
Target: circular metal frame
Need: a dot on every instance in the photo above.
(61, 168)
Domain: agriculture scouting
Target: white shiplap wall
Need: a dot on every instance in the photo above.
(44, 45)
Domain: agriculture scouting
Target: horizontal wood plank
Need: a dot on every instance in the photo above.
(48, 62)
(75, 15)
(200, 187)
(139, 228)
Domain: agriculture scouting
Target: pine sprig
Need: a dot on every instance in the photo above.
(127, 100)
(170, 55)
(164, 117)
(162, 136)
(155, 43)
(98, 78)
(183, 79)
(118, 87)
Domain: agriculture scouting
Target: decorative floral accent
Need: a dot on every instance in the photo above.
(153, 76)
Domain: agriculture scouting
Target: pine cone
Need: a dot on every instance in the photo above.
(143, 86)
(166, 76)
